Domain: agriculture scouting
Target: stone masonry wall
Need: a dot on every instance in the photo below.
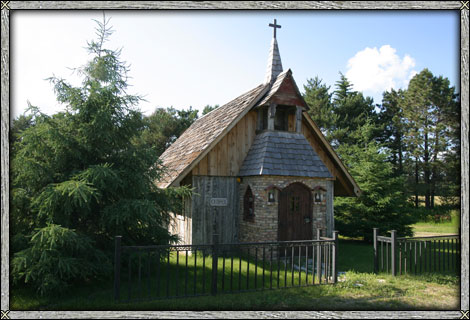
(264, 227)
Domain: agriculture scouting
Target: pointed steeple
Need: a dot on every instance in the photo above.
(274, 60)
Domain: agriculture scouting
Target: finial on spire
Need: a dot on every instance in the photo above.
(274, 26)
(274, 60)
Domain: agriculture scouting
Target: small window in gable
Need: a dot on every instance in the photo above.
(249, 205)
(262, 119)
(282, 116)
(280, 121)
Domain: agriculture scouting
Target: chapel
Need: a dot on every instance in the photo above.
(260, 168)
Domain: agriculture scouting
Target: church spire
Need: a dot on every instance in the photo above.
(274, 60)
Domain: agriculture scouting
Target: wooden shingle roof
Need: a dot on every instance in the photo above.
(274, 63)
(203, 134)
(284, 82)
(274, 88)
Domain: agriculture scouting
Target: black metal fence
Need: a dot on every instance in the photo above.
(171, 271)
(416, 255)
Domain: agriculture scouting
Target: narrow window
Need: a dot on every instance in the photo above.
(249, 205)
(262, 119)
(280, 122)
(264, 124)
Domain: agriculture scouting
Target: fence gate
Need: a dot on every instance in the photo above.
(416, 255)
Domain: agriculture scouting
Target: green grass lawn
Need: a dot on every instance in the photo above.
(354, 291)
(424, 228)
(428, 228)
(183, 275)
(357, 289)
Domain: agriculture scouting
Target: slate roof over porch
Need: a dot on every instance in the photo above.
(283, 154)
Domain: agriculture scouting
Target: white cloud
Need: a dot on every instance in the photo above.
(376, 70)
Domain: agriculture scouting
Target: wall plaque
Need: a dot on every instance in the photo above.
(218, 202)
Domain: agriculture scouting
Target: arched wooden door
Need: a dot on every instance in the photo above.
(295, 213)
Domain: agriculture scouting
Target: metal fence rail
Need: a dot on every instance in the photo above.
(174, 271)
(416, 255)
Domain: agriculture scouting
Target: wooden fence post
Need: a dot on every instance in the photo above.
(376, 257)
(394, 252)
(117, 267)
(334, 256)
(215, 257)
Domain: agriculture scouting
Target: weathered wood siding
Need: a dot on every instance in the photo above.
(330, 221)
(318, 149)
(187, 221)
(181, 224)
(226, 158)
(206, 218)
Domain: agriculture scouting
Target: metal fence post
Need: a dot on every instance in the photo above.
(215, 245)
(319, 255)
(459, 252)
(117, 267)
(334, 256)
(376, 257)
(394, 252)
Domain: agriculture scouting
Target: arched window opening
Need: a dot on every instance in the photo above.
(249, 205)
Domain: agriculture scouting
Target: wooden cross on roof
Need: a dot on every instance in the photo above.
(274, 26)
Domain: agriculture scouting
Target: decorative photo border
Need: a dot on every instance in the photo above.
(8, 8)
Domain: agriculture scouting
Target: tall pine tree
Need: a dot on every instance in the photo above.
(391, 122)
(429, 109)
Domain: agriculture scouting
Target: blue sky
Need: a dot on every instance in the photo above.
(195, 58)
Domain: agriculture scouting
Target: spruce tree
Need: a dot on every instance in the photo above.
(320, 106)
(383, 203)
(352, 110)
(82, 176)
